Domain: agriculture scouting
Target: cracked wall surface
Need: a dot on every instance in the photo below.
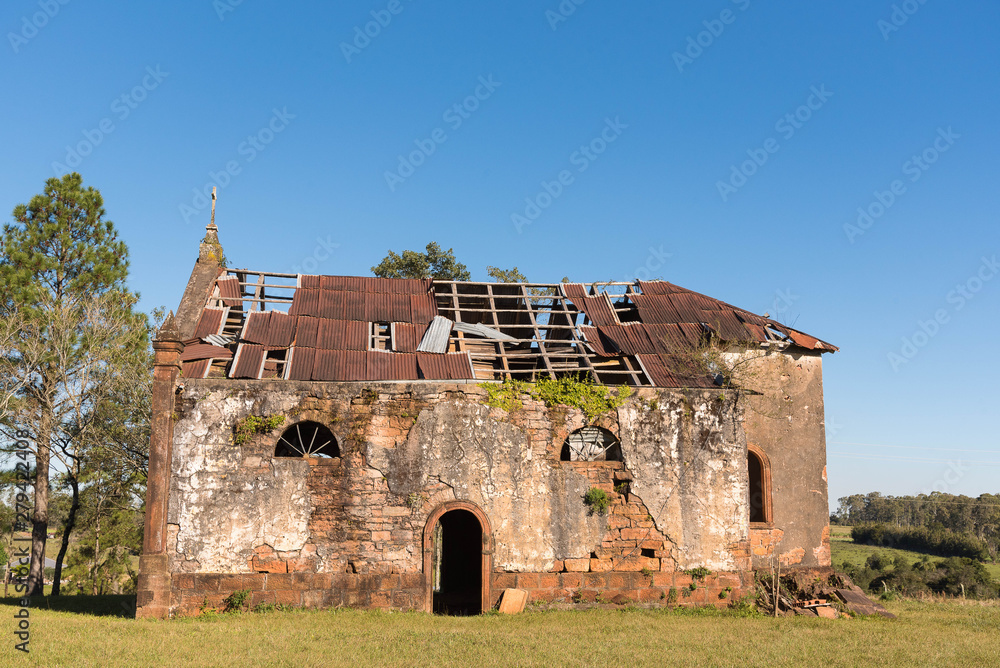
(408, 448)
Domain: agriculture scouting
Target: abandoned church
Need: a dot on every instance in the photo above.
(402, 444)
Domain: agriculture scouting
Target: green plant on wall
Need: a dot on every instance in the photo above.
(573, 391)
(256, 424)
(598, 500)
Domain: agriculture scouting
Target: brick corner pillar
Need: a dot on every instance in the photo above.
(153, 591)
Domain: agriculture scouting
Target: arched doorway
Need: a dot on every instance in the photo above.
(457, 559)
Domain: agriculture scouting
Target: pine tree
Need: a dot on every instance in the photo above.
(63, 273)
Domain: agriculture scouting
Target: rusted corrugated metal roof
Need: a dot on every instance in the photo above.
(673, 371)
(630, 338)
(331, 316)
(249, 361)
(598, 308)
(655, 309)
(210, 322)
(205, 351)
(341, 365)
(406, 336)
(342, 335)
(229, 290)
(196, 369)
(593, 337)
(384, 365)
(301, 363)
(305, 302)
(445, 366)
(423, 308)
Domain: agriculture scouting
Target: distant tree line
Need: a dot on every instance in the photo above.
(947, 524)
(954, 576)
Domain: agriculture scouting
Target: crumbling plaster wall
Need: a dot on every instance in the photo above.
(408, 447)
(786, 421)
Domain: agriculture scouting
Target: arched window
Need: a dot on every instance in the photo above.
(591, 444)
(760, 485)
(307, 439)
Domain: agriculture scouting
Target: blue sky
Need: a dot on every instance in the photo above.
(726, 146)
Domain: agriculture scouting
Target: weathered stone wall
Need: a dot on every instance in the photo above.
(281, 526)
(786, 421)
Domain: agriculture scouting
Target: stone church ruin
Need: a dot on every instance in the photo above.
(332, 441)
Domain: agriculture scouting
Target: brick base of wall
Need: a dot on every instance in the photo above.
(192, 593)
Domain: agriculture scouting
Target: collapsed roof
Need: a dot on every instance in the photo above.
(350, 328)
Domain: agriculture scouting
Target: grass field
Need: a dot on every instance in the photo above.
(97, 631)
(842, 549)
(947, 634)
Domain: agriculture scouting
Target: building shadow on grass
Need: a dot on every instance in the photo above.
(110, 605)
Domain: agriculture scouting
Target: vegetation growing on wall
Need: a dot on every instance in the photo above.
(573, 391)
(256, 424)
(598, 500)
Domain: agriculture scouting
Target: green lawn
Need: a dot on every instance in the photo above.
(950, 633)
(842, 549)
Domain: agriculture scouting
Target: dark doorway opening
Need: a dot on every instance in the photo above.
(457, 564)
(757, 512)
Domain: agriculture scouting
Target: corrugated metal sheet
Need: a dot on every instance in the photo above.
(249, 361)
(575, 292)
(668, 338)
(593, 337)
(384, 365)
(727, 325)
(483, 331)
(309, 281)
(655, 309)
(406, 337)
(305, 302)
(281, 330)
(423, 308)
(205, 351)
(331, 304)
(673, 371)
(339, 365)
(210, 322)
(301, 363)
(446, 366)
(354, 306)
(196, 369)
(342, 335)
(630, 338)
(255, 327)
(306, 331)
(435, 339)
(599, 310)
(229, 290)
